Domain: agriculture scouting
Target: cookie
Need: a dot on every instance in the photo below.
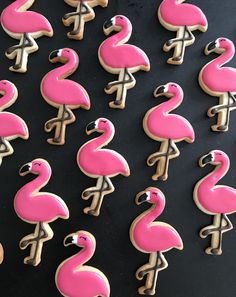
(63, 93)
(99, 163)
(73, 277)
(184, 18)
(122, 59)
(216, 200)
(84, 13)
(11, 126)
(38, 208)
(25, 26)
(152, 237)
(219, 81)
(1, 253)
(166, 128)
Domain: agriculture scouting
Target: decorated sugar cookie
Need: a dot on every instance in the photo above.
(100, 163)
(11, 126)
(167, 128)
(38, 208)
(122, 59)
(183, 18)
(73, 277)
(63, 93)
(220, 81)
(25, 26)
(84, 13)
(215, 200)
(152, 237)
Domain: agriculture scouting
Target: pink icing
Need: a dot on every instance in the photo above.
(213, 198)
(161, 124)
(151, 236)
(58, 90)
(73, 279)
(115, 54)
(175, 13)
(33, 206)
(215, 77)
(93, 160)
(17, 21)
(11, 126)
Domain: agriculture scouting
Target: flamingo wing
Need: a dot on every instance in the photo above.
(12, 126)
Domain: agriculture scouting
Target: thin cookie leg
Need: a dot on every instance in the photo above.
(5, 148)
(1, 253)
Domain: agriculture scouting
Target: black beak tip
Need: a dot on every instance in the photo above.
(207, 159)
(53, 55)
(91, 126)
(142, 198)
(68, 240)
(211, 46)
(160, 90)
(107, 24)
(25, 168)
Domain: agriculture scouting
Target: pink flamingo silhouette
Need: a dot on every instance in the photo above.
(84, 13)
(62, 93)
(38, 208)
(215, 200)
(26, 26)
(154, 238)
(73, 278)
(11, 126)
(219, 81)
(100, 163)
(122, 59)
(166, 128)
(183, 18)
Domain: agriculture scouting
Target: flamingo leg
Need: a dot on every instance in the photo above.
(5, 148)
(168, 150)
(184, 37)
(125, 81)
(43, 232)
(83, 14)
(104, 186)
(64, 117)
(1, 253)
(21, 51)
(227, 104)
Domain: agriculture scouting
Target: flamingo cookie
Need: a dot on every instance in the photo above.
(39, 208)
(73, 278)
(219, 81)
(11, 126)
(62, 93)
(84, 13)
(154, 238)
(100, 163)
(215, 200)
(119, 58)
(166, 128)
(183, 18)
(25, 26)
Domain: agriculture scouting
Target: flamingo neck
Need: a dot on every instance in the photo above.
(65, 70)
(103, 139)
(217, 174)
(121, 37)
(35, 185)
(172, 103)
(152, 213)
(21, 5)
(5, 100)
(225, 57)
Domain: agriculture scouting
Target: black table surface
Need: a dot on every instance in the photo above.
(191, 272)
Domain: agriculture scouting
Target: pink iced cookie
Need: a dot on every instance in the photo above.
(100, 163)
(152, 237)
(39, 208)
(25, 26)
(215, 200)
(73, 277)
(220, 81)
(119, 58)
(84, 13)
(63, 93)
(167, 128)
(183, 18)
(11, 126)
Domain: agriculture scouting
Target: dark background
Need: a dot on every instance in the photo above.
(191, 272)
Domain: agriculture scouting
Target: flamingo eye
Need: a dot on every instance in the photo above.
(103, 121)
(173, 85)
(222, 39)
(121, 18)
(38, 164)
(84, 238)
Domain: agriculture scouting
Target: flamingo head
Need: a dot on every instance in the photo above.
(215, 157)
(8, 92)
(81, 238)
(152, 195)
(168, 90)
(101, 125)
(116, 24)
(219, 46)
(37, 166)
(63, 55)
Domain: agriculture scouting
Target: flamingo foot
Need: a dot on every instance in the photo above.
(213, 251)
(92, 212)
(144, 291)
(219, 128)
(118, 104)
(175, 60)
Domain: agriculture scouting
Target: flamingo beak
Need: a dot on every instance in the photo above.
(90, 128)
(108, 25)
(55, 56)
(70, 239)
(210, 47)
(25, 169)
(161, 90)
(141, 197)
(206, 159)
